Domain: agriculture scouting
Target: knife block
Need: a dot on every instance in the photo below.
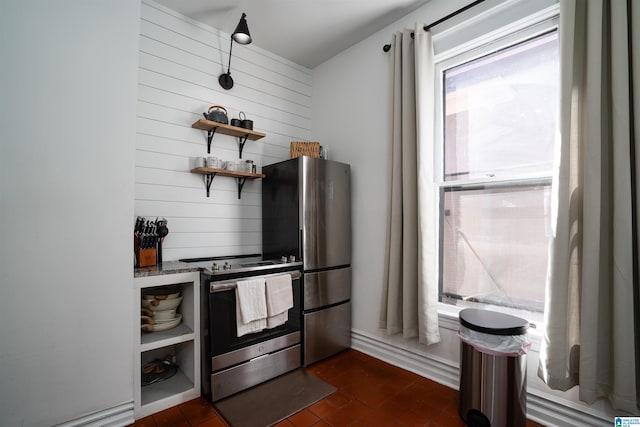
(146, 257)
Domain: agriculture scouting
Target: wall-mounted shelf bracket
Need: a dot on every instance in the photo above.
(241, 177)
(210, 133)
(241, 182)
(208, 179)
(241, 141)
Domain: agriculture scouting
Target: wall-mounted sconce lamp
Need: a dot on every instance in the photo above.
(240, 35)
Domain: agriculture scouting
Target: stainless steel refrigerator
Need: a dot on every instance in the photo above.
(306, 213)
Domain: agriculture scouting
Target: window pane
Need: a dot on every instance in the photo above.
(494, 247)
(500, 112)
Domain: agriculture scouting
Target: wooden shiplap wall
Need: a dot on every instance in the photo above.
(180, 60)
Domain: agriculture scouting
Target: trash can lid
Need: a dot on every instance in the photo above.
(491, 322)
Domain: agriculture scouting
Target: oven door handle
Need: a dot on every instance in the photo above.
(227, 285)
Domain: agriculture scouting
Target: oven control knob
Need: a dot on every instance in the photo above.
(292, 258)
(283, 259)
(227, 266)
(215, 267)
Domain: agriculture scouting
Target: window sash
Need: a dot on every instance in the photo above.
(474, 242)
(516, 33)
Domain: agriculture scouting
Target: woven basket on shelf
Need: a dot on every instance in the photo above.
(300, 148)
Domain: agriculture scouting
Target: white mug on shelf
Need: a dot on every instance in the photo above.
(213, 162)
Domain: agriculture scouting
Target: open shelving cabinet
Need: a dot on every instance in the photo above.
(181, 342)
(243, 135)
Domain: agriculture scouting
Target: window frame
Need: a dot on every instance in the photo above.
(535, 25)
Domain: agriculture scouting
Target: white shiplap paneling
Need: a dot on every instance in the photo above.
(179, 63)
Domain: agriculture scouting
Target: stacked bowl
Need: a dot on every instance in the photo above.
(159, 309)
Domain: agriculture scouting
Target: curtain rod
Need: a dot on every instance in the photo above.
(387, 47)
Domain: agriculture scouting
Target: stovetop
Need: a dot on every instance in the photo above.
(223, 265)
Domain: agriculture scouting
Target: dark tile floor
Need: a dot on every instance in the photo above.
(370, 393)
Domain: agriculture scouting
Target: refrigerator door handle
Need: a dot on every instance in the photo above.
(301, 252)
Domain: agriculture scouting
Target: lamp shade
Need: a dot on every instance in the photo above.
(241, 34)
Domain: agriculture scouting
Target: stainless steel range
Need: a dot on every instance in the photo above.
(232, 363)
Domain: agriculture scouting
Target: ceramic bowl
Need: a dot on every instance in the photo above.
(162, 297)
(163, 315)
(167, 304)
(167, 325)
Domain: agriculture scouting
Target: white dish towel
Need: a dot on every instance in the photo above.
(279, 299)
(251, 306)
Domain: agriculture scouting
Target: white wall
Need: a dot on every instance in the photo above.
(68, 80)
(180, 60)
(352, 116)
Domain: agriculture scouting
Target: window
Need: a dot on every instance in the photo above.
(498, 122)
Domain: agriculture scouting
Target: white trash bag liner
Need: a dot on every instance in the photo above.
(496, 345)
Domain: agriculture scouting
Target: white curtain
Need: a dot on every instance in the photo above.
(591, 336)
(410, 288)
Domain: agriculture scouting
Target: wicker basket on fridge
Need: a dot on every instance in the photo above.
(301, 148)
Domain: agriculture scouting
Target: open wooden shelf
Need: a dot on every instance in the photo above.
(243, 136)
(226, 172)
(208, 125)
(241, 177)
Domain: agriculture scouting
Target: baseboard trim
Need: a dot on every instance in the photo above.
(547, 410)
(117, 416)
(436, 369)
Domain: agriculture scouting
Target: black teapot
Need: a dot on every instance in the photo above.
(217, 113)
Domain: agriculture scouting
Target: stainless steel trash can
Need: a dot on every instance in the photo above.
(493, 369)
